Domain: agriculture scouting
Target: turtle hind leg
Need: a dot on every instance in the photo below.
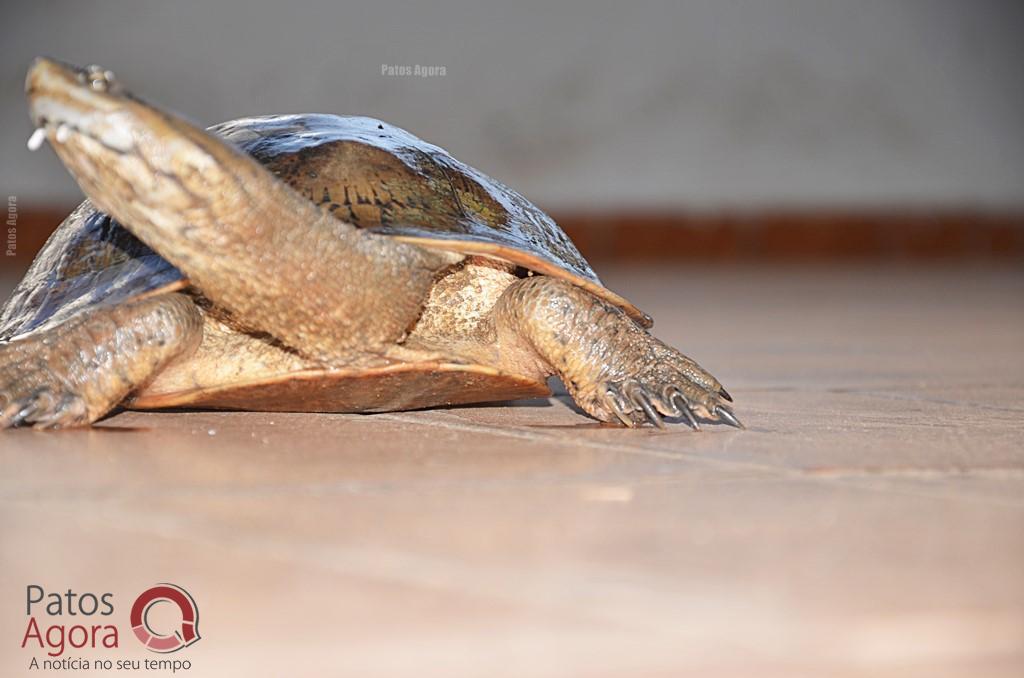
(74, 373)
(252, 244)
(614, 369)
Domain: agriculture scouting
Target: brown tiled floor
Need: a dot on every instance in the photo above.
(869, 522)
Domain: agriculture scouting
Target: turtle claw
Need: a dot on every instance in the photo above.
(683, 408)
(618, 408)
(42, 409)
(38, 404)
(17, 410)
(31, 395)
(724, 413)
(652, 415)
(632, 404)
(642, 399)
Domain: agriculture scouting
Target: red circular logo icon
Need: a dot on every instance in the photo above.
(180, 637)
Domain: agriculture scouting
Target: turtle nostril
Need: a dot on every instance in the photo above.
(96, 77)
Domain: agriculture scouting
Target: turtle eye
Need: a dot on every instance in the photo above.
(96, 77)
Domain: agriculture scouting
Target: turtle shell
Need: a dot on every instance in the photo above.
(364, 171)
(89, 260)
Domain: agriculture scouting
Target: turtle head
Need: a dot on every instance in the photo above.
(66, 101)
(126, 154)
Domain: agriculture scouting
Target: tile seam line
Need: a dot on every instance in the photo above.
(689, 456)
(938, 401)
(542, 438)
(894, 395)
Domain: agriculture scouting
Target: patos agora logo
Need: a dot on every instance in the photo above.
(184, 636)
(48, 631)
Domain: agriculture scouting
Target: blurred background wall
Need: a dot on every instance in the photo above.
(591, 107)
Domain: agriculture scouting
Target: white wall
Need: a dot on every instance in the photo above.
(583, 103)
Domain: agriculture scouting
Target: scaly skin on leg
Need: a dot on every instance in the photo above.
(74, 373)
(613, 368)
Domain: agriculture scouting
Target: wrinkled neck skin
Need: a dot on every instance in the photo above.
(246, 239)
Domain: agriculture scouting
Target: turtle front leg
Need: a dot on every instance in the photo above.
(74, 373)
(614, 369)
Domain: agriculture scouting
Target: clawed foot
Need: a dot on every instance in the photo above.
(668, 384)
(633, 404)
(31, 395)
(614, 369)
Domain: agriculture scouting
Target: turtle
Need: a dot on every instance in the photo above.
(306, 262)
